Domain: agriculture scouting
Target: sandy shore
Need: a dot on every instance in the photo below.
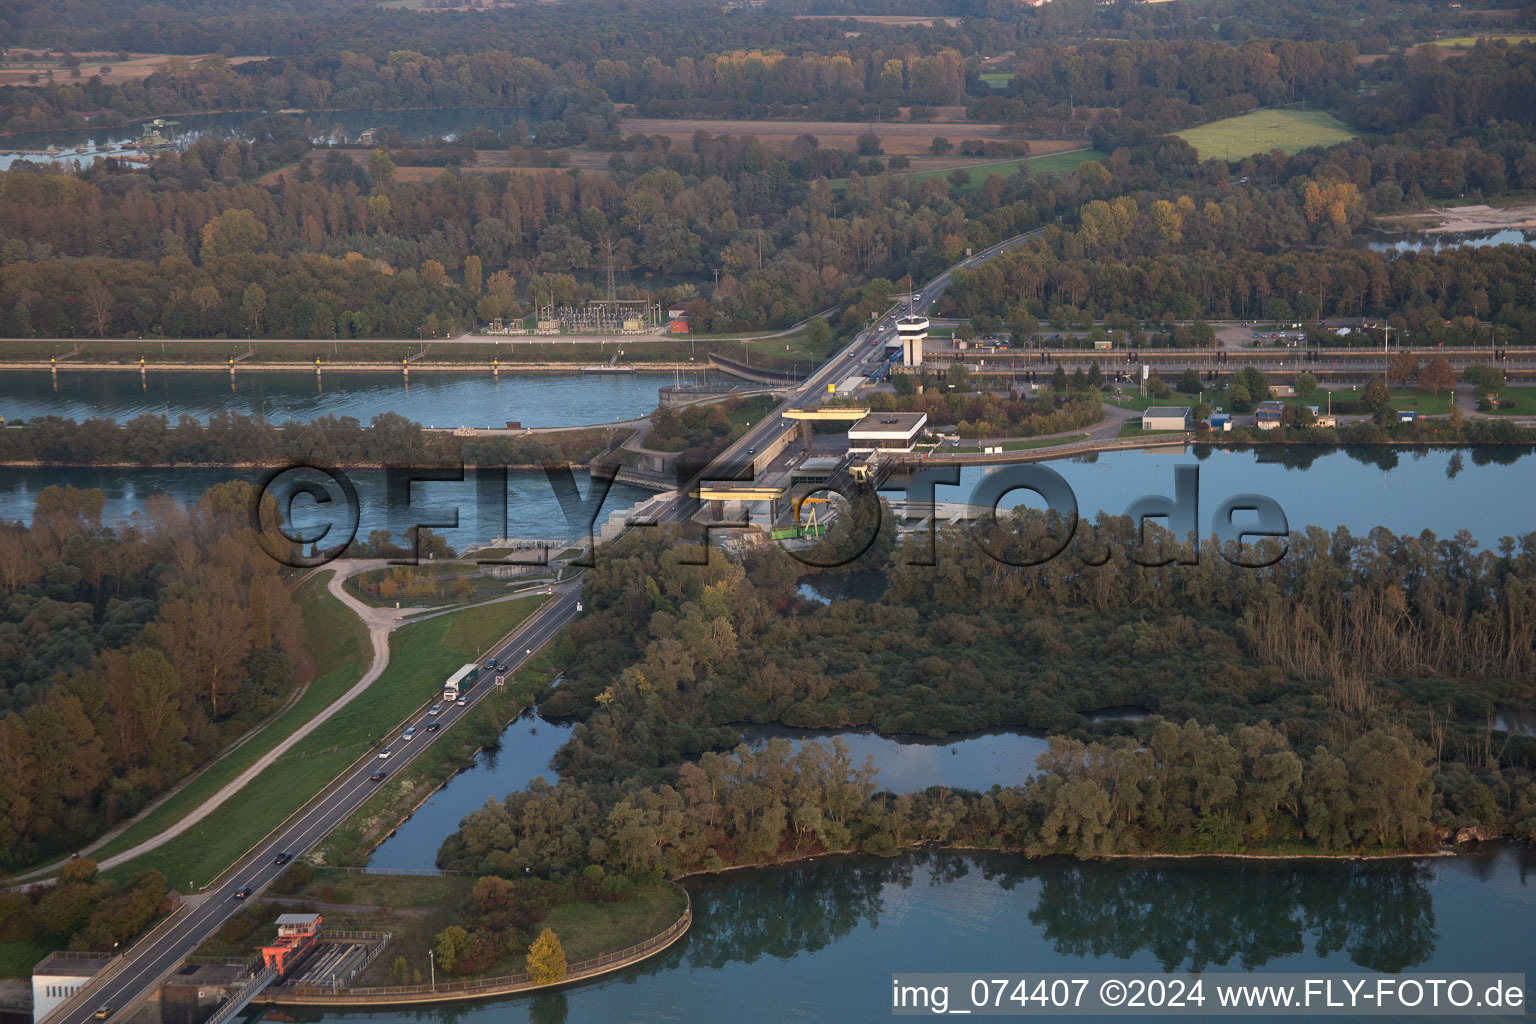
(1448, 219)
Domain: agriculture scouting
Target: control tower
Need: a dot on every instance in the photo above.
(912, 330)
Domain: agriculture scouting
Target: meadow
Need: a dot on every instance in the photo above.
(1260, 131)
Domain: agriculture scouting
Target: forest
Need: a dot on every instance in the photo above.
(1312, 705)
(129, 655)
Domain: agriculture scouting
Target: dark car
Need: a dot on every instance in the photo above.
(282, 858)
(242, 892)
(433, 726)
(377, 776)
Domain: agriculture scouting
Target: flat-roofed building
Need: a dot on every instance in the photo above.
(1267, 415)
(1166, 417)
(887, 431)
(58, 976)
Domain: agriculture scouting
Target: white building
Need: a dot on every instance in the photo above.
(1166, 417)
(887, 431)
(913, 331)
(58, 976)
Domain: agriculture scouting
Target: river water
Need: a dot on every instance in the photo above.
(820, 941)
(532, 509)
(438, 398)
(1416, 241)
(1490, 492)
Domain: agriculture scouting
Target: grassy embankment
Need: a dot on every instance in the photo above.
(1260, 131)
(421, 654)
(414, 909)
(352, 841)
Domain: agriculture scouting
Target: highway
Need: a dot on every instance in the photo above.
(149, 961)
(868, 346)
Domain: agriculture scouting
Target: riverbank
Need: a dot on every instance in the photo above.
(1443, 220)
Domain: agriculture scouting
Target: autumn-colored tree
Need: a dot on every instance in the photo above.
(1403, 369)
(232, 233)
(546, 958)
(472, 272)
(1437, 376)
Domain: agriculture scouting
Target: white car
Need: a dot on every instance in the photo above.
(383, 753)
(462, 702)
(435, 709)
(408, 734)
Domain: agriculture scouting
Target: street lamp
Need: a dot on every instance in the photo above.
(432, 963)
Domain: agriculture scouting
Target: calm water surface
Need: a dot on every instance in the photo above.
(531, 510)
(443, 399)
(1452, 240)
(521, 756)
(1489, 492)
(820, 941)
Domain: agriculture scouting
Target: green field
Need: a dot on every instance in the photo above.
(1050, 163)
(997, 79)
(1402, 398)
(1139, 402)
(1233, 138)
(1460, 42)
(421, 655)
(1524, 399)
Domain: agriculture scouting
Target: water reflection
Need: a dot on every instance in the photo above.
(819, 940)
(442, 398)
(521, 755)
(907, 764)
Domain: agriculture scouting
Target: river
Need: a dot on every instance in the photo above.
(1425, 242)
(1490, 492)
(437, 398)
(819, 941)
(532, 508)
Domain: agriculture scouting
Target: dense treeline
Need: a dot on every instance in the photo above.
(1326, 689)
(128, 656)
(1445, 295)
(82, 911)
(1190, 788)
(236, 439)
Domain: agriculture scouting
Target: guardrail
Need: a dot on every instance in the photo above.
(501, 985)
(237, 1002)
(1029, 454)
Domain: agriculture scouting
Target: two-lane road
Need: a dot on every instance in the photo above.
(159, 953)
